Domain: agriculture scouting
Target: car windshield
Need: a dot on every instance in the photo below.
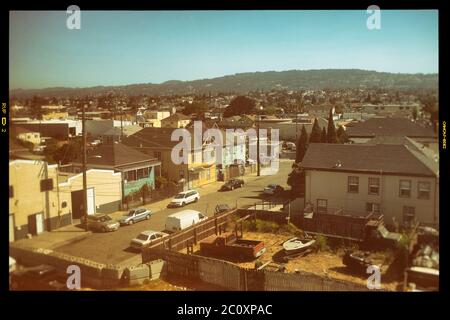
(131, 213)
(105, 218)
(180, 196)
(142, 237)
(272, 186)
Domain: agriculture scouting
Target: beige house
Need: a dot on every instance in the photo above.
(35, 205)
(156, 142)
(176, 120)
(31, 136)
(104, 191)
(153, 118)
(396, 180)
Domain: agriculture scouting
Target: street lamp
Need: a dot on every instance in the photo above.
(258, 164)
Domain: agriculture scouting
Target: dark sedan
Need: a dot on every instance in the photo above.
(232, 184)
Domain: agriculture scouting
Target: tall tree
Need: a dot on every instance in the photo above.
(302, 145)
(323, 137)
(240, 105)
(316, 133)
(331, 131)
(342, 135)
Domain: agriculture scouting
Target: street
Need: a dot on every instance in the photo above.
(114, 247)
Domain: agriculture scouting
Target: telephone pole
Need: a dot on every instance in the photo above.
(85, 211)
(258, 164)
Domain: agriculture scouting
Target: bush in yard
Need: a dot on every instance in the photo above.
(321, 243)
(160, 182)
(267, 226)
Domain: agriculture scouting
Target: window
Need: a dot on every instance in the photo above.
(382, 108)
(145, 172)
(409, 213)
(353, 184)
(405, 188)
(424, 190)
(46, 185)
(140, 174)
(64, 204)
(401, 108)
(157, 155)
(130, 175)
(322, 205)
(11, 191)
(373, 207)
(376, 108)
(374, 186)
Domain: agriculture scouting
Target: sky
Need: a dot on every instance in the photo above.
(127, 47)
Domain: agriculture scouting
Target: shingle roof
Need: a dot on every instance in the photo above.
(158, 138)
(389, 127)
(114, 155)
(402, 159)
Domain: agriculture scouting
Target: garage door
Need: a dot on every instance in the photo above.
(11, 228)
(91, 201)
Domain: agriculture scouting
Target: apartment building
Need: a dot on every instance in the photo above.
(395, 179)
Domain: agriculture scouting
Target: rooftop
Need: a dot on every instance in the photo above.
(403, 158)
(389, 126)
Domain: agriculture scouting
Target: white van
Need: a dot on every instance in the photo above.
(183, 219)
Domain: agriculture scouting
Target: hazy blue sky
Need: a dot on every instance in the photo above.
(124, 47)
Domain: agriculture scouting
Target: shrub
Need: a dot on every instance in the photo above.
(321, 243)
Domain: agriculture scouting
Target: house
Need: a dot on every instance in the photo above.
(176, 120)
(156, 142)
(104, 191)
(361, 132)
(35, 203)
(390, 176)
(136, 168)
(152, 118)
(27, 135)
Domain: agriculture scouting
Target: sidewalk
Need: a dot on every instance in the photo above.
(55, 238)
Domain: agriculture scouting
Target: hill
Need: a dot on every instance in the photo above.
(244, 82)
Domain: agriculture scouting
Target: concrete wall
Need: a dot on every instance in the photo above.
(332, 186)
(28, 199)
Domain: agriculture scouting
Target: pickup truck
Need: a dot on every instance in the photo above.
(228, 245)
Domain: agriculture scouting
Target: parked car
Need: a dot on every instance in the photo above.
(12, 265)
(232, 184)
(41, 277)
(135, 215)
(221, 208)
(184, 198)
(183, 219)
(273, 189)
(146, 237)
(101, 222)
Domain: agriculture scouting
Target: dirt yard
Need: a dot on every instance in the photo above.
(327, 263)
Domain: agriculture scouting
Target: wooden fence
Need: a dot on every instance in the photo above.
(232, 277)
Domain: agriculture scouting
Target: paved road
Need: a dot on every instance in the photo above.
(114, 247)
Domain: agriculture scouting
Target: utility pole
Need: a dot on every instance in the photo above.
(121, 126)
(85, 211)
(258, 164)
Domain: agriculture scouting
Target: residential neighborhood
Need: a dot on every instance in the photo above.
(304, 179)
